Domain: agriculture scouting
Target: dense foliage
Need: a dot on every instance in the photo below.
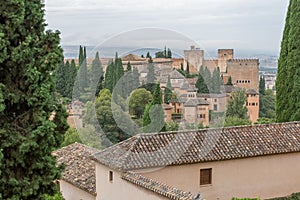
(32, 121)
(288, 78)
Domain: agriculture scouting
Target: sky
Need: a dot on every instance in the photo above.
(252, 25)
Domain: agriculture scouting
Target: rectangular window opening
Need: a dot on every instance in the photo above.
(111, 176)
(206, 176)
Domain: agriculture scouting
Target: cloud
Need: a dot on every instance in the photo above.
(256, 23)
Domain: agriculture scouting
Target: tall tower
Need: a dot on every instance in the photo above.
(194, 57)
(223, 56)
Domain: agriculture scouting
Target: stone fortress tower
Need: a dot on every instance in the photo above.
(244, 73)
(194, 57)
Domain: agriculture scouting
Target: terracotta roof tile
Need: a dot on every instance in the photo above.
(157, 187)
(80, 168)
(175, 148)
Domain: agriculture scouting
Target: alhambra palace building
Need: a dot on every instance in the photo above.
(192, 107)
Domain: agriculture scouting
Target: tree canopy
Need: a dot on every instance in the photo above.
(288, 78)
(32, 121)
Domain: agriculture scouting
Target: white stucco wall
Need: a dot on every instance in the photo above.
(70, 192)
(119, 189)
(264, 177)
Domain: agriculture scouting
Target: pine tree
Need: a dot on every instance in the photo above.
(97, 74)
(168, 91)
(153, 118)
(287, 87)
(29, 57)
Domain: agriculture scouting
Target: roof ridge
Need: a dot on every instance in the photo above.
(156, 186)
(127, 154)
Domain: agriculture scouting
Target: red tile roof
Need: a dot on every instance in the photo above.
(157, 187)
(184, 147)
(80, 169)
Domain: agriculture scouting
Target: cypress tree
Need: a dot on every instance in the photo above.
(187, 68)
(29, 56)
(60, 78)
(135, 78)
(169, 53)
(109, 76)
(97, 74)
(201, 85)
(72, 73)
(81, 57)
(229, 82)
(262, 87)
(208, 79)
(168, 91)
(216, 81)
(150, 78)
(154, 113)
(128, 69)
(82, 76)
(287, 87)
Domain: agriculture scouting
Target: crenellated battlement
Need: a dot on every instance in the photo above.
(249, 60)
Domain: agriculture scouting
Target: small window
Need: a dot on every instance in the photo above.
(215, 107)
(111, 176)
(216, 100)
(205, 176)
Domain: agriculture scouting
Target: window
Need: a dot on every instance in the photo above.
(215, 107)
(201, 116)
(111, 176)
(216, 100)
(205, 176)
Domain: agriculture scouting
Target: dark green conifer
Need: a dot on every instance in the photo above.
(32, 121)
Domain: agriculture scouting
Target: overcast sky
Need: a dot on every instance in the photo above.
(254, 25)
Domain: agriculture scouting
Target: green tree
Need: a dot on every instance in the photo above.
(138, 101)
(229, 82)
(153, 118)
(83, 76)
(187, 71)
(262, 87)
(168, 91)
(236, 105)
(29, 56)
(201, 85)
(216, 81)
(236, 121)
(72, 73)
(129, 68)
(267, 104)
(97, 74)
(148, 55)
(208, 79)
(71, 137)
(109, 76)
(150, 78)
(105, 118)
(80, 57)
(60, 78)
(287, 83)
(169, 53)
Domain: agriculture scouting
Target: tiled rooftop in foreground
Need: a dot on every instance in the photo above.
(79, 167)
(185, 147)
